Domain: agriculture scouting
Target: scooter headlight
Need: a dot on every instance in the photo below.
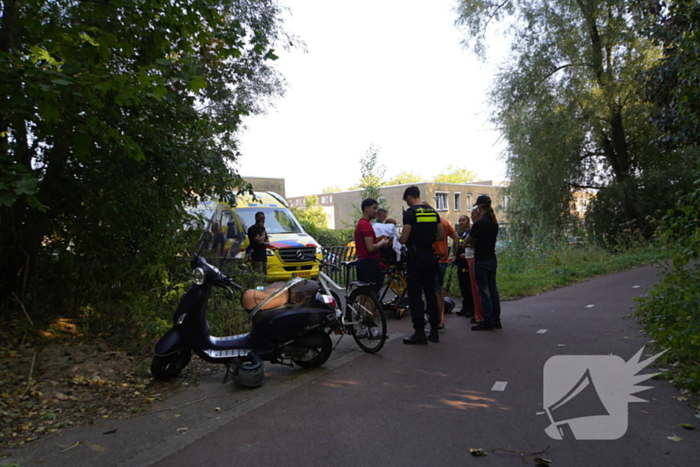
(198, 275)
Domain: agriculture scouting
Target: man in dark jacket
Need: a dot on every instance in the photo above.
(421, 228)
(259, 243)
(483, 237)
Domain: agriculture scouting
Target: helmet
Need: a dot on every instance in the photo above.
(249, 371)
(449, 305)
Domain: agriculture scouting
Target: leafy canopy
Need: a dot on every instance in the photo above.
(115, 116)
(405, 177)
(454, 174)
(372, 175)
(311, 214)
(570, 107)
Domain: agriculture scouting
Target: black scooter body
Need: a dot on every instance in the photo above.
(284, 323)
(272, 330)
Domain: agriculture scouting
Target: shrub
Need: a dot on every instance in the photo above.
(670, 312)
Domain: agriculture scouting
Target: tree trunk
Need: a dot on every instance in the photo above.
(613, 139)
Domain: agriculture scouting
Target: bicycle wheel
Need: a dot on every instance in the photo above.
(369, 328)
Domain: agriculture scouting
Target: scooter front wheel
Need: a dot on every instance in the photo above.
(170, 366)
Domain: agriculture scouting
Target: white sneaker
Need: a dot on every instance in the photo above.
(361, 333)
(375, 333)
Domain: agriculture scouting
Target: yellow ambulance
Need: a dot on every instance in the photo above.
(290, 246)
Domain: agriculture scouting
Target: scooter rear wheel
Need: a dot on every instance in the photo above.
(170, 366)
(317, 355)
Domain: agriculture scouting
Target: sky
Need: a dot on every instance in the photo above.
(387, 73)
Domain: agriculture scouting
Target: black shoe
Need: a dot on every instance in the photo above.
(482, 327)
(434, 336)
(461, 312)
(497, 325)
(475, 321)
(416, 339)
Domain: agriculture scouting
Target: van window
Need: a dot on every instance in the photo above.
(277, 220)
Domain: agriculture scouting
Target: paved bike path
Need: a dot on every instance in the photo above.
(428, 405)
(407, 405)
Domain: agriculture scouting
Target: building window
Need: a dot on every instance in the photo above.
(506, 202)
(469, 201)
(457, 202)
(441, 201)
(584, 204)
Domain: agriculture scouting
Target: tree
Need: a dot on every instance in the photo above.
(115, 116)
(331, 189)
(311, 214)
(670, 84)
(405, 177)
(372, 175)
(455, 174)
(569, 105)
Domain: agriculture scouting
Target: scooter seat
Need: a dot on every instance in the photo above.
(252, 298)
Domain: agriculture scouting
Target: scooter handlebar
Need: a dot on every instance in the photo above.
(233, 284)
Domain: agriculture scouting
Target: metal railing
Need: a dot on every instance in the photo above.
(338, 255)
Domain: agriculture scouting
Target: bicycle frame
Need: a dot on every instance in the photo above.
(395, 283)
(326, 281)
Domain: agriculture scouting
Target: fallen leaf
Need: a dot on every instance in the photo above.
(688, 426)
(478, 452)
(646, 412)
(675, 438)
(542, 461)
(182, 429)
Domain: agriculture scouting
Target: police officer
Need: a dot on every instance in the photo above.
(421, 228)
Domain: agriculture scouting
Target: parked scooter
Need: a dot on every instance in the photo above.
(291, 323)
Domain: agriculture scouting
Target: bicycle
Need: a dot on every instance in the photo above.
(397, 285)
(363, 316)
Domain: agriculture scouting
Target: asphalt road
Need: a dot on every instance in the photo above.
(426, 405)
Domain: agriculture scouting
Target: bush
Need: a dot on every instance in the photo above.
(670, 313)
(327, 237)
(670, 316)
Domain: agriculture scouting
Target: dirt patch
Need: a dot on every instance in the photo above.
(58, 386)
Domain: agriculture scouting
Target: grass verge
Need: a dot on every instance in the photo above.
(523, 272)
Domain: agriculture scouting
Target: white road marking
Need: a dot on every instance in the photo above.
(499, 386)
